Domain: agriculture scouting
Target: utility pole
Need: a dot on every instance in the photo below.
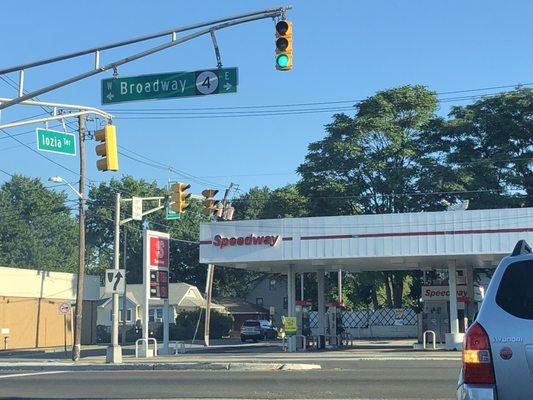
(124, 297)
(114, 352)
(210, 276)
(76, 348)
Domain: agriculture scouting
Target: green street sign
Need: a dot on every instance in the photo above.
(171, 214)
(56, 142)
(169, 85)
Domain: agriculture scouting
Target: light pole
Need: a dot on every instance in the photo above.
(76, 348)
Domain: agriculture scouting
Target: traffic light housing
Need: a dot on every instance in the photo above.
(283, 45)
(179, 197)
(209, 203)
(108, 149)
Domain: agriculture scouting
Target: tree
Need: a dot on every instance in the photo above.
(36, 227)
(374, 162)
(489, 147)
(184, 233)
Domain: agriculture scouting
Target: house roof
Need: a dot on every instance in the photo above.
(104, 301)
(180, 294)
(240, 306)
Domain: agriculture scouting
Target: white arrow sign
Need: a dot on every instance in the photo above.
(227, 86)
(115, 281)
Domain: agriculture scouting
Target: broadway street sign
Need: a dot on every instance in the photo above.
(169, 85)
(56, 142)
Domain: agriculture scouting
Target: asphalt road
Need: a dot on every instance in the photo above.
(364, 379)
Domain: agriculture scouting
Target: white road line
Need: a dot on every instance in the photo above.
(32, 373)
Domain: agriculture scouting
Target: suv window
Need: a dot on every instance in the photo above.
(251, 323)
(515, 294)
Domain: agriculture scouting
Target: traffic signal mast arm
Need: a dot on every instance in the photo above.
(212, 26)
(160, 205)
(152, 210)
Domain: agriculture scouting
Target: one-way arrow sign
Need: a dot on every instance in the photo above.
(115, 281)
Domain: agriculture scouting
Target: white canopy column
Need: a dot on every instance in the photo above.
(454, 339)
(291, 303)
(320, 274)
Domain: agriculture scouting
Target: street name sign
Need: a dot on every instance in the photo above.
(171, 214)
(115, 281)
(169, 85)
(56, 142)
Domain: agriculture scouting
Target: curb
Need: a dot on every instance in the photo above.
(196, 366)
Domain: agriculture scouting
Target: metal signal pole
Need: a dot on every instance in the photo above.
(76, 348)
(208, 292)
(114, 352)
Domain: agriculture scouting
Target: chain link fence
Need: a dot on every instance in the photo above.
(367, 318)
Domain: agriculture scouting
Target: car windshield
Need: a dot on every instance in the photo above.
(254, 324)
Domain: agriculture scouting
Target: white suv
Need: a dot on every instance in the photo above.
(498, 347)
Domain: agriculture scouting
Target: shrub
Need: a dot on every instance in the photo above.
(186, 322)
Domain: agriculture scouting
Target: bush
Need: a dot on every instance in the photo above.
(103, 334)
(186, 321)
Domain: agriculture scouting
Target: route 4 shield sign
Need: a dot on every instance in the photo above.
(115, 281)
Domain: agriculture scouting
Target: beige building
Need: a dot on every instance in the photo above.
(182, 297)
(30, 303)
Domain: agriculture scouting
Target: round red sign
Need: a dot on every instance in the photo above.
(64, 308)
(506, 353)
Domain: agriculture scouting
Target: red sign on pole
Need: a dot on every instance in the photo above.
(159, 252)
(157, 263)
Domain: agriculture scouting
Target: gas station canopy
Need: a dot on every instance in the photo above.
(478, 238)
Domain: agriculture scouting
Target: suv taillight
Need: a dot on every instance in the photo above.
(477, 357)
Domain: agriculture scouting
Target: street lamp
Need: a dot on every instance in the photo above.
(58, 179)
(76, 348)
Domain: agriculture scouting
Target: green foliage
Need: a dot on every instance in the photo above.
(186, 321)
(184, 265)
(36, 227)
(365, 164)
(489, 146)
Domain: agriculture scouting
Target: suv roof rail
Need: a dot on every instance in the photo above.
(521, 248)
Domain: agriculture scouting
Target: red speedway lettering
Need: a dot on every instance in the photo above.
(222, 242)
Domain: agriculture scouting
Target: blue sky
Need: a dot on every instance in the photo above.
(343, 50)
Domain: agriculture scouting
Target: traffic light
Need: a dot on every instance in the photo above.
(108, 149)
(179, 197)
(210, 204)
(283, 45)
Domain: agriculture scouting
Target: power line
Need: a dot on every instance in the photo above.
(158, 165)
(40, 154)
(353, 101)
(148, 115)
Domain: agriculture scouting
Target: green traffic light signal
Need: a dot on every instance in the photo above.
(282, 60)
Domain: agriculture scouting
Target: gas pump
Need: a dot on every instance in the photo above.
(334, 326)
(302, 321)
(436, 304)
